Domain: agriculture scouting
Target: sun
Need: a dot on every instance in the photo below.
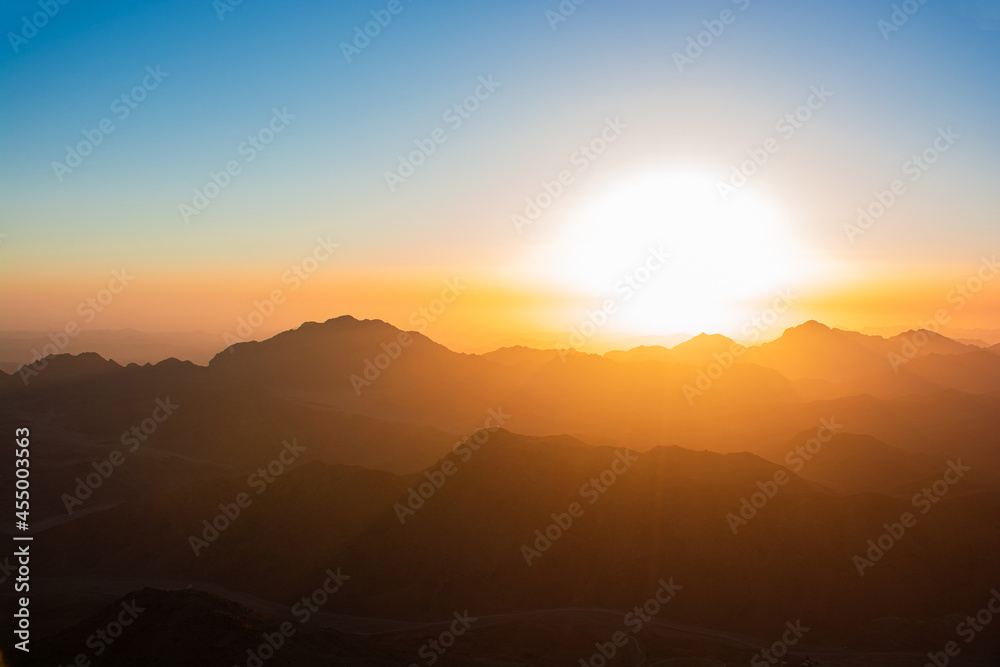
(723, 255)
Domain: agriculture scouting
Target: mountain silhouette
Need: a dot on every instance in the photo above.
(443, 482)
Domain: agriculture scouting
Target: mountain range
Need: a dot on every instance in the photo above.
(547, 492)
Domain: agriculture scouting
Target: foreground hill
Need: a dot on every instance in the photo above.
(472, 541)
(187, 628)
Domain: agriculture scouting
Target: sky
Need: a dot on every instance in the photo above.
(485, 170)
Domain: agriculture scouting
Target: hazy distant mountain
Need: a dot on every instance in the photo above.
(972, 341)
(514, 356)
(668, 341)
(702, 350)
(126, 346)
(641, 353)
(846, 361)
(921, 342)
(987, 336)
(914, 362)
(813, 350)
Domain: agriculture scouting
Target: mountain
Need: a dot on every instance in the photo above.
(518, 355)
(814, 350)
(827, 362)
(187, 627)
(973, 372)
(705, 349)
(850, 463)
(546, 493)
(911, 363)
(334, 364)
(967, 336)
(172, 423)
(702, 350)
(217, 420)
(989, 336)
(921, 342)
(641, 353)
(286, 530)
(370, 367)
(123, 345)
(643, 517)
(359, 396)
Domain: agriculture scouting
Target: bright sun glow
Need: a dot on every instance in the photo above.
(724, 255)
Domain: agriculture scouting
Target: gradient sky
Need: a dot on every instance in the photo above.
(324, 175)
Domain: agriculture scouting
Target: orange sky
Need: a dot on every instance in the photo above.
(471, 314)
